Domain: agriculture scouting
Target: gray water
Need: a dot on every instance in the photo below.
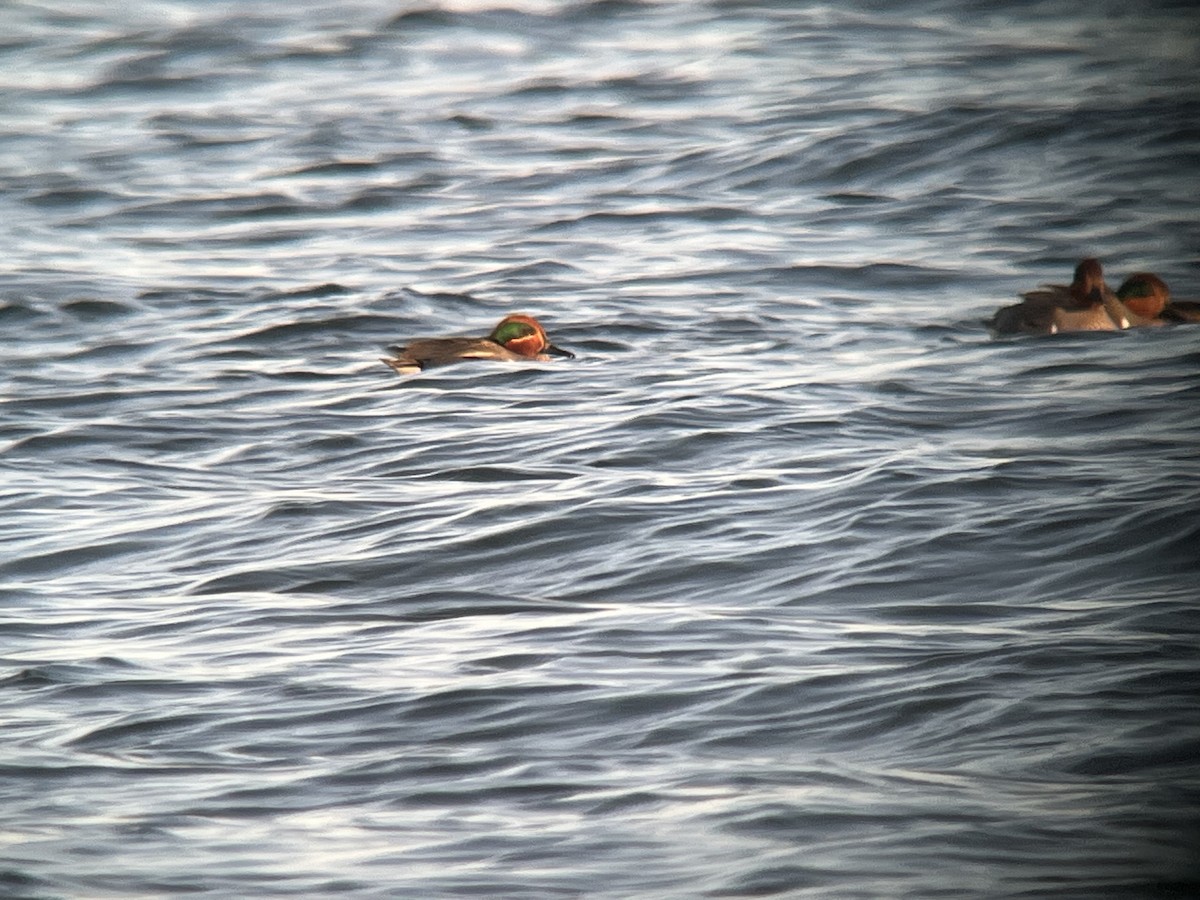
(793, 583)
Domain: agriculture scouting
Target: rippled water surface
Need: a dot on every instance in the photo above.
(794, 582)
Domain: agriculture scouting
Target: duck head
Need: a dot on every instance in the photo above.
(525, 336)
(1089, 277)
(1145, 294)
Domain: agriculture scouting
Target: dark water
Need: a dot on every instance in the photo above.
(794, 583)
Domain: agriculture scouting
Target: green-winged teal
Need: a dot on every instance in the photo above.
(1086, 304)
(1148, 297)
(515, 338)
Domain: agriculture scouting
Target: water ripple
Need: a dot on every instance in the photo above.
(794, 581)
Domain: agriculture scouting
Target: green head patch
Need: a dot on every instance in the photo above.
(1138, 287)
(512, 331)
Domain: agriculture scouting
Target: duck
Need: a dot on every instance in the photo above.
(1086, 304)
(516, 337)
(1148, 296)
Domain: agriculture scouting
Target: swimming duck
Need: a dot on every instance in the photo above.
(1086, 304)
(515, 338)
(1148, 296)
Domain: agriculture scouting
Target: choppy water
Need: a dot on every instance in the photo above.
(794, 583)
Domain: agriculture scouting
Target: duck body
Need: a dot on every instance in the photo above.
(1179, 312)
(1046, 316)
(515, 338)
